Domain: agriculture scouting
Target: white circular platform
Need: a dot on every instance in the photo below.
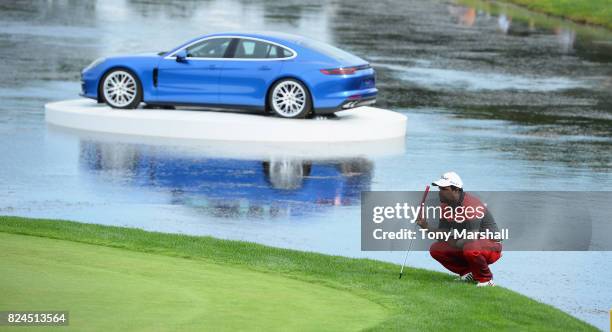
(355, 125)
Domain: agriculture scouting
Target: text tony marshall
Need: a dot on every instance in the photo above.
(407, 234)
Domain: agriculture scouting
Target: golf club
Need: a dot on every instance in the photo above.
(422, 205)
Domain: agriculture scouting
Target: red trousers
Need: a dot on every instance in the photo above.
(475, 257)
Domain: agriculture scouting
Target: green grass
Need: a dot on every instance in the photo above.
(141, 291)
(597, 12)
(111, 277)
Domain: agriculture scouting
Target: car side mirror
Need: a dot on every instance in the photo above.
(181, 56)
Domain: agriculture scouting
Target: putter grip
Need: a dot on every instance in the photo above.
(423, 200)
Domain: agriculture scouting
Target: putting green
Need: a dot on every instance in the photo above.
(107, 288)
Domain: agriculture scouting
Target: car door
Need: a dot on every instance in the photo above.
(246, 75)
(195, 79)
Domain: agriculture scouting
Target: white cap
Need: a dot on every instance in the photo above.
(449, 179)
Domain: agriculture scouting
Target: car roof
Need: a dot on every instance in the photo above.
(269, 35)
(286, 39)
(296, 42)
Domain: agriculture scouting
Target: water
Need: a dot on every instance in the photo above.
(509, 100)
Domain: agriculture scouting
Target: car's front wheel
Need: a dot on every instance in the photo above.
(121, 89)
(289, 98)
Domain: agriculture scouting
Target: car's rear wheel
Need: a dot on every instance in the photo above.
(121, 89)
(290, 99)
(286, 174)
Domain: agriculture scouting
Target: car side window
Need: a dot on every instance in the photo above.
(211, 48)
(254, 49)
(284, 53)
(273, 52)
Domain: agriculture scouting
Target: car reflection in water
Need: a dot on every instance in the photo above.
(231, 188)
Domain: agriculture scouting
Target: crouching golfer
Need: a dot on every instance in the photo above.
(469, 258)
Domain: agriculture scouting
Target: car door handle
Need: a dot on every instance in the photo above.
(213, 67)
(264, 68)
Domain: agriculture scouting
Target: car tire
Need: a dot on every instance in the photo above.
(286, 174)
(121, 89)
(289, 98)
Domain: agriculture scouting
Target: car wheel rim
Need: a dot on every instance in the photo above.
(120, 88)
(289, 98)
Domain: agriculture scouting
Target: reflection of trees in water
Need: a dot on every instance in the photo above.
(574, 154)
(51, 40)
(463, 15)
(232, 188)
(172, 9)
(542, 138)
(566, 38)
(61, 13)
(304, 17)
(290, 12)
(413, 34)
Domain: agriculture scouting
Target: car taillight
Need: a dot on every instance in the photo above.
(345, 70)
(339, 71)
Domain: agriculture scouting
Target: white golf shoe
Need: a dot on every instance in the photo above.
(489, 283)
(468, 277)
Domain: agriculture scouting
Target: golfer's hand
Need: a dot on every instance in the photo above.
(422, 223)
(459, 243)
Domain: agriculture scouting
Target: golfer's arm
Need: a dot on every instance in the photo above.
(438, 230)
(473, 227)
(442, 228)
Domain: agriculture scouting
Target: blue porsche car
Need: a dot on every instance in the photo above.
(291, 76)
